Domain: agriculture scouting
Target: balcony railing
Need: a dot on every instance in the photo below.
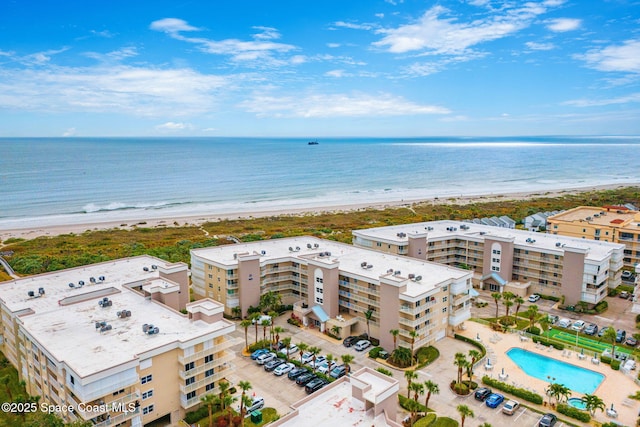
(218, 375)
(120, 418)
(218, 361)
(217, 348)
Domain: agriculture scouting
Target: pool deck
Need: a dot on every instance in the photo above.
(614, 389)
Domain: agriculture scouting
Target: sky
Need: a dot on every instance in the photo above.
(313, 69)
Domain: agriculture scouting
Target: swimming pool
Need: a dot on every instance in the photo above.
(578, 403)
(542, 367)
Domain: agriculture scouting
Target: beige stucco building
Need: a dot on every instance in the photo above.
(615, 224)
(108, 342)
(501, 259)
(332, 285)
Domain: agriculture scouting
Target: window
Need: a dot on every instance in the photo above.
(496, 251)
(147, 394)
(115, 393)
(189, 366)
(191, 395)
(495, 259)
(147, 409)
(208, 359)
(444, 309)
(146, 379)
(445, 288)
(319, 290)
(378, 244)
(73, 380)
(319, 280)
(444, 299)
(495, 268)
(210, 276)
(319, 300)
(210, 387)
(208, 372)
(190, 380)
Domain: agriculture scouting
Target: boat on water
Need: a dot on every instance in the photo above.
(313, 142)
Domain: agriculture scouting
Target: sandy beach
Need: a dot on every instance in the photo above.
(139, 219)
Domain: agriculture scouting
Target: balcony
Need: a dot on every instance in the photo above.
(120, 418)
(458, 288)
(188, 403)
(217, 348)
(218, 375)
(458, 316)
(460, 299)
(217, 361)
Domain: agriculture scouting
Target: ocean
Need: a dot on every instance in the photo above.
(57, 181)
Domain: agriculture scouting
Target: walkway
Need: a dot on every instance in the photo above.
(8, 268)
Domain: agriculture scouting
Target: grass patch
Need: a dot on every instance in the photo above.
(268, 415)
(445, 422)
(584, 342)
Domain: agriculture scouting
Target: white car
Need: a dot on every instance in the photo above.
(265, 358)
(256, 403)
(283, 369)
(319, 361)
(293, 349)
(564, 323)
(362, 344)
(578, 325)
(534, 298)
(324, 367)
(307, 357)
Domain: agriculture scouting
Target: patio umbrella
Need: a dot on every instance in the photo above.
(488, 361)
(502, 371)
(582, 351)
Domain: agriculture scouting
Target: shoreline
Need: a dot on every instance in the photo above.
(153, 221)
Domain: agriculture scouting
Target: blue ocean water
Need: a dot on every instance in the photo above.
(61, 180)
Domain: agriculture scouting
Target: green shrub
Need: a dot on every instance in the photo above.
(198, 414)
(445, 422)
(534, 330)
(384, 371)
(638, 318)
(473, 342)
(547, 342)
(400, 357)
(549, 297)
(426, 420)
(403, 403)
(461, 389)
(260, 344)
(615, 365)
(572, 412)
(375, 351)
(606, 359)
(518, 392)
(601, 307)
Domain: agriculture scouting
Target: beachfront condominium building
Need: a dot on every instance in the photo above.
(333, 286)
(366, 398)
(117, 341)
(519, 261)
(616, 224)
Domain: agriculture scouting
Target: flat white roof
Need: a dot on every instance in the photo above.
(437, 230)
(349, 257)
(68, 331)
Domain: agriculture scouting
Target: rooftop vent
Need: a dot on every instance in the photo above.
(290, 249)
(153, 266)
(92, 279)
(297, 248)
(40, 291)
(390, 270)
(316, 246)
(308, 245)
(101, 278)
(105, 328)
(71, 285)
(558, 244)
(81, 283)
(149, 329)
(124, 313)
(31, 294)
(369, 266)
(429, 228)
(145, 268)
(401, 235)
(105, 302)
(412, 276)
(263, 252)
(418, 278)
(396, 273)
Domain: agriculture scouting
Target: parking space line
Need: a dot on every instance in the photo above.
(519, 415)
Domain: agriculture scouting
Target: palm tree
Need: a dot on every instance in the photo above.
(610, 335)
(236, 311)
(368, 315)
(460, 360)
(330, 359)
(278, 330)
(519, 301)
(224, 386)
(464, 412)
(265, 323)
(210, 400)
(412, 406)
(254, 319)
(496, 297)
(270, 301)
(559, 391)
(246, 402)
(302, 347)
(228, 401)
(507, 300)
(286, 342)
(347, 359)
(432, 388)
(273, 316)
(314, 351)
(394, 333)
(245, 324)
(475, 355)
(410, 375)
(544, 324)
(244, 386)
(335, 330)
(417, 389)
(593, 402)
(532, 314)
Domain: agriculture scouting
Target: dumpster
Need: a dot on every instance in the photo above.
(256, 417)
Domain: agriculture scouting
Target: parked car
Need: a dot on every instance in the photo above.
(256, 403)
(258, 353)
(552, 318)
(578, 325)
(624, 295)
(349, 341)
(603, 330)
(362, 345)
(631, 341)
(494, 400)
(303, 379)
(283, 369)
(564, 323)
(319, 361)
(534, 298)
(292, 350)
(306, 357)
(324, 367)
(265, 358)
(296, 372)
(338, 371)
(510, 407)
(314, 385)
(621, 335)
(591, 329)
(547, 420)
(482, 393)
(270, 366)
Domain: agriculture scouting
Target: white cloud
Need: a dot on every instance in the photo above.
(173, 126)
(335, 73)
(337, 105)
(333, 45)
(435, 34)
(560, 25)
(379, 15)
(539, 46)
(39, 58)
(634, 97)
(621, 58)
(110, 89)
(259, 50)
(116, 55)
(69, 132)
(172, 25)
(354, 26)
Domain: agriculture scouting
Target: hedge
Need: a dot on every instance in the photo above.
(550, 297)
(547, 342)
(445, 422)
(375, 351)
(572, 412)
(403, 403)
(384, 371)
(601, 307)
(198, 414)
(615, 365)
(426, 420)
(518, 392)
(473, 342)
(534, 330)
